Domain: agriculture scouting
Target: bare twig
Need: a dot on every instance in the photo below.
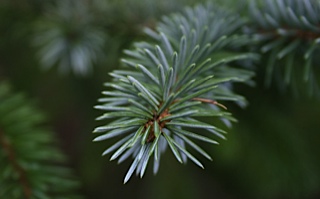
(209, 101)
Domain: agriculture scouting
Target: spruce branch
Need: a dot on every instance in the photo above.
(67, 37)
(288, 32)
(29, 164)
(12, 159)
(167, 85)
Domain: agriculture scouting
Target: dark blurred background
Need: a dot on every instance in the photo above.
(60, 52)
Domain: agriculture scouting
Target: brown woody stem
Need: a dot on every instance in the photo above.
(157, 119)
(301, 34)
(209, 101)
(7, 147)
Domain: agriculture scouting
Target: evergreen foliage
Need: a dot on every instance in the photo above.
(288, 33)
(181, 73)
(68, 37)
(170, 93)
(29, 163)
(75, 35)
(169, 84)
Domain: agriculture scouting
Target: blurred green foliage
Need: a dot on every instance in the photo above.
(271, 153)
(30, 163)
